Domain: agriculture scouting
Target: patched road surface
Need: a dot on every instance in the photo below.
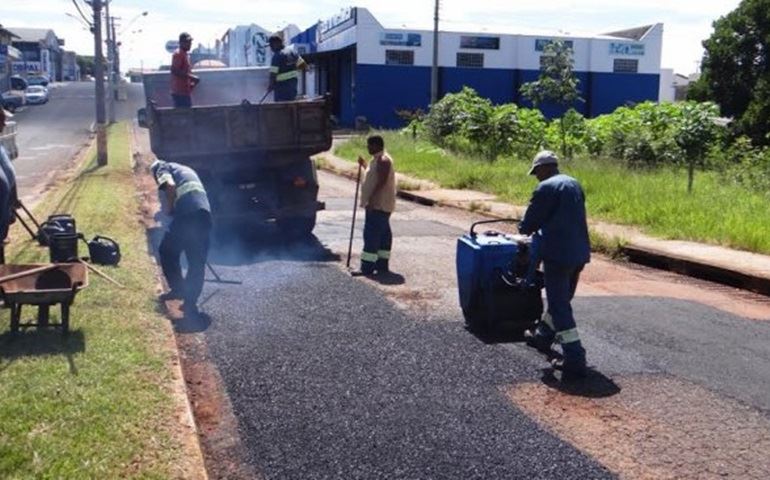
(335, 377)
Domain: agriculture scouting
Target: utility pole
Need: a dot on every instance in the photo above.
(110, 62)
(101, 133)
(434, 69)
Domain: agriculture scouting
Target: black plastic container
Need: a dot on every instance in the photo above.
(63, 247)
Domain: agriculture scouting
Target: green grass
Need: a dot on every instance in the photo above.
(94, 404)
(656, 200)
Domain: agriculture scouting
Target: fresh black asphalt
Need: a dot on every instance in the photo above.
(329, 380)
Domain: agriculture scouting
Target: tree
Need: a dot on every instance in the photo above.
(736, 69)
(86, 64)
(557, 84)
(696, 130)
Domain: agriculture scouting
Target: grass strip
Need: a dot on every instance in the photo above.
(94, 404)
(654, 200)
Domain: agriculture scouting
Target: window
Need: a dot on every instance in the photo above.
(625, 65)
(399, 57)
(470, 60)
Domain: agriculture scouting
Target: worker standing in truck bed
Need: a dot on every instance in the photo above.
(284, 71)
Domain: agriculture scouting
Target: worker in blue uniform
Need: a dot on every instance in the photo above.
(284, 71)
(8, 196)
(186, 201)
(557, 214)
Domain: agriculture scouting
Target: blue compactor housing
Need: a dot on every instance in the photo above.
(498, 285)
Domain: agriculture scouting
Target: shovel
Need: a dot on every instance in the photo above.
(218, 279)
(353, 223)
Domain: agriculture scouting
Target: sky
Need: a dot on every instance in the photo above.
(686, 22)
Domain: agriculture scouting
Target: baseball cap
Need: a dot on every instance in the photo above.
(184, 36)
(275, 38)
(7, 114)
(544, 157)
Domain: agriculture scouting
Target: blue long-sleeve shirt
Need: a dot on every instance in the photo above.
(557, 210)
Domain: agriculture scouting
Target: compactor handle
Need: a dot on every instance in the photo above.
(484, 222)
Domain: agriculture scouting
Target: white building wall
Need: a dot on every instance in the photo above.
(519, 52)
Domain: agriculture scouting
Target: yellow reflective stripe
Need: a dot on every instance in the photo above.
(189, 187)
(282, 77)
(568, 336)
(369, 257)
(548, 321)
(384, 254)
(274, 69)
(165, 178)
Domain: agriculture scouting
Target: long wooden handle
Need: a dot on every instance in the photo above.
(26, 273)
(103, 275)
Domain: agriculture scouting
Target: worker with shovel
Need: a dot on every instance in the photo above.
(378, 197)
(186, 201)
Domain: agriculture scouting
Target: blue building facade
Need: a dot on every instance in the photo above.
(373, 72)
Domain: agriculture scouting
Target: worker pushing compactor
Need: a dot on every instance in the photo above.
(557, 212)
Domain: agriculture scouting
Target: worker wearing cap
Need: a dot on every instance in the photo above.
(378, 197)
(284, 73)
(557, 212)
(8, 196)
(186, 201)
(182, 79)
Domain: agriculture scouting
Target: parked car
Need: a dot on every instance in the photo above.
(11, 101)
(18, 83)
(41, 80)
(36, 95)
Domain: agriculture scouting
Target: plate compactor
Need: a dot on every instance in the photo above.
(498, 280)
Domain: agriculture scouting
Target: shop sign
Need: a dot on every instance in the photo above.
(401, 39)
(480, 43)
(627, 49)
(337, 24)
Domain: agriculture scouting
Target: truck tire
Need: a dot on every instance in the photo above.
(297, 228)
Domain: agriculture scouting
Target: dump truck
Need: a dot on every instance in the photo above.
(252, 154)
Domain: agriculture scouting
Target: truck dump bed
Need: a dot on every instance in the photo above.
(227, 119)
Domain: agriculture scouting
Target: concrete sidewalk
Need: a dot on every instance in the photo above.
(745, 270)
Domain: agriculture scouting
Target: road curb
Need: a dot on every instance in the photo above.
(634, 253)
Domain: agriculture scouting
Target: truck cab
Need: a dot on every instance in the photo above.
(253, 157)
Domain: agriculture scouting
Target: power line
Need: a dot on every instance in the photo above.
(82, 15)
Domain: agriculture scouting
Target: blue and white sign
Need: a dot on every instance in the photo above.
(401, 39)
(480, 43)
(27, 67)
(627, 49)
(337, 24)
(541, 43)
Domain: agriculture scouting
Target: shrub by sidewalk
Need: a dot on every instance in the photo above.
(654, 200)
(99, 402)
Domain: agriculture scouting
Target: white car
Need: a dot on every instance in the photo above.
(36, 94)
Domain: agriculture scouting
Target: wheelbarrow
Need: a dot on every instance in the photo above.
(44, 286)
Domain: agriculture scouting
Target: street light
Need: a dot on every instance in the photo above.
(86, 25)
(130, 22)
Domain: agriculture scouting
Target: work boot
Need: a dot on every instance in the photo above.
(539, 342)
(382, 267)
(367, 270)
(361, 273)
(571, 369)
(190, 310)
(170, 295)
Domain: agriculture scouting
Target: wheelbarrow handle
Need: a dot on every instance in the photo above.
(484, 222)
(27, 273)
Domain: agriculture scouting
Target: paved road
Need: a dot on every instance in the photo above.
(335, 377)
(50, 135)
